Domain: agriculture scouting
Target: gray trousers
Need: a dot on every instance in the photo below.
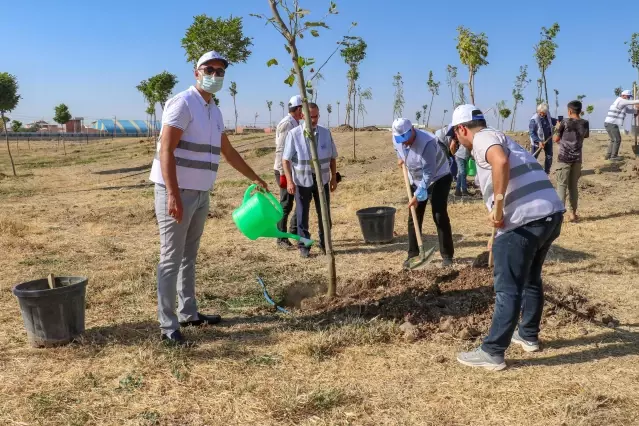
(179, 243)
(568, 181)
(615, 139)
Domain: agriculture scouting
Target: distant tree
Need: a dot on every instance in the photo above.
(255, 122)
(589, 110)
(618, 91)
(504, 113)
(398, 105)
(418, 116)
(545, 54)
(313, 91)
(16, 125)
(62, 117)
(462, 95)
(147, 93)
(433, 88)
(329, 110)
(282, 105)
(444, 117)
(580, 98)
(338, 113)
(225, 36)
(424, 108)
(233, 92)
(162, 86)
(540, 91)
(269, 105)
(472, 49)
(451, 80)
(9, 99)
(353, 53)
(556, 101)
(363, 95)
(520, 84)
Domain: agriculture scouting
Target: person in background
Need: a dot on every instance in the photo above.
(462, 155)
(184, 171)
(301, 178)
(532, 218)
(623, 105)
(288, 123)
(429, 173)
(446, 144)
(540, 132)
(570, 134)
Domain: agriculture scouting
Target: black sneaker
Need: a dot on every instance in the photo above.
(616, 158)
(305, 253)
(458, 193)
(174, 338)
(606, 157)
(202, 320)
(466, 194)
(447, 263)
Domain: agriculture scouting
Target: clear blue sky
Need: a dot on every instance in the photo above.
(91, 55)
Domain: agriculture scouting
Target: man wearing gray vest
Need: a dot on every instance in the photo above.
(540, 130)
(429, 173)
(300, 175)
(614, 122)
(532, 218)
(288, 123)
(184, 170)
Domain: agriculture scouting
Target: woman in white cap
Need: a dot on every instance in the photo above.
(429, 173)
(614, 121)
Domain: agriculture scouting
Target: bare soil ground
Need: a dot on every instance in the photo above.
(382, 353)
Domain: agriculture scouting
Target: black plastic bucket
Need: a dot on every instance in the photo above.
(377, 224)
(52, 316)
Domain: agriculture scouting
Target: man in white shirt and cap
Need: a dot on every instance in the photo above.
(532, 218)
(288, 123)
(301, 178)
(623, 105)
(429, 173)
(184, 169)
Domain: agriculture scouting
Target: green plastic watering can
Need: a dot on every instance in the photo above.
(259, 214)
(471, 167)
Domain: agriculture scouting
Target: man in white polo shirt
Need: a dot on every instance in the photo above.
(288, 123)
(429, 173)
(623, 105)
(300, 175)
(184, 171)
(532, 218)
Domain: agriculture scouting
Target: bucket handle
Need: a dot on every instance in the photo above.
(269, 196)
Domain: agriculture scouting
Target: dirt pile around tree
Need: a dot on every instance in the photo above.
(342, 129)
(630, 170)
(457, 304)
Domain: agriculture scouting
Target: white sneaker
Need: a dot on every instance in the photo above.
(528, 346)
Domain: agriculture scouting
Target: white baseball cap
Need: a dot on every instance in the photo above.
(209, 56)
(464, 114)
(626, 93)
(402, 130)
(295, 101)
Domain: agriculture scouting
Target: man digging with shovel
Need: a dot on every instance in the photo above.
(531, 221)
(426, 167)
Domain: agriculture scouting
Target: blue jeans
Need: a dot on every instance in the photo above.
(303, 197)
(461, 173)
(519, 256)
(547, 150)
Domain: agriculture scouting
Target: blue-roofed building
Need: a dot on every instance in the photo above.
(125, 127)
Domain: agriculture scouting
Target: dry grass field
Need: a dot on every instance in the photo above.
(340, 362)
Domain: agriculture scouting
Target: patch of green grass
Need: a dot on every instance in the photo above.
(262, 151)
(47, 404)
(150, 418)
(295, 406)
(266, 360)
(39, 261)
(130, 382)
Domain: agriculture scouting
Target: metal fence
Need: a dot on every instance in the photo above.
(47, 136)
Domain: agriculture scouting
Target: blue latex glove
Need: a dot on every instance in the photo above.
(421, 194)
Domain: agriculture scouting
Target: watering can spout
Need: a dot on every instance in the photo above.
(259, 214)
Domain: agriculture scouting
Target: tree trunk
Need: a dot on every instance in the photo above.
(6, 135)
(471, 87)
(543, 76)
(235, 108)
(338, 114)
(512, 123)
(348, 105)
(430, 108)
(354, 120)
(332, 278)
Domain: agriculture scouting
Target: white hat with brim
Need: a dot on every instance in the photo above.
(464, 114)
(212, 56)
(626, 93)
(402, 130)
(295, 101)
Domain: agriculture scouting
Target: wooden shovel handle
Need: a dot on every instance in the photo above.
(412, 209)
(498, 208)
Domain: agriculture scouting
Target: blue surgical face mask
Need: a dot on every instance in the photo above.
(211, 84)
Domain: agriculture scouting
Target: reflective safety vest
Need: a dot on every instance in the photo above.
(197, 155)
(298, 152)
(529, 196)
(616, 114)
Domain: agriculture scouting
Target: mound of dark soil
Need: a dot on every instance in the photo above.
(342, 128)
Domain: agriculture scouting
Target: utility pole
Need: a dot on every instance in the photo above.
(115, 125)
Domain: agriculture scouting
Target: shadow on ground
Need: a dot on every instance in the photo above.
(124, 170)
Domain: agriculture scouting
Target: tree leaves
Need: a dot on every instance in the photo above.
(225, 36)
(314, 33)
(290, 80)
(9, 97)
(62, 114)
(272, 62)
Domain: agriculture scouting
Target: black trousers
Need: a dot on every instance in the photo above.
(303, 196)
(286, 200)
(439, 204)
